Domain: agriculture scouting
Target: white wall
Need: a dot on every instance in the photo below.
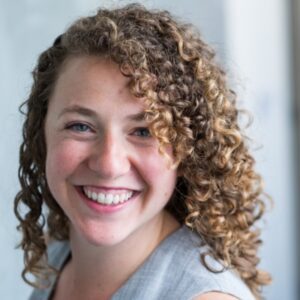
(258, 45)
(251, 37)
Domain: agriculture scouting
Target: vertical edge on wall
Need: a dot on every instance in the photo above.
(295, 69)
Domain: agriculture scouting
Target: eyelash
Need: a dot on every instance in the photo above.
(141, 129)
(75, 127)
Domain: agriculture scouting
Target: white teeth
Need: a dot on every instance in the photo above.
(108, 198)
(89, 194)
(116, 199)
(94, 196)
(101, 197)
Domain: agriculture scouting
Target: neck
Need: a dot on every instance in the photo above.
(104, 269)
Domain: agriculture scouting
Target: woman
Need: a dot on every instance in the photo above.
(131, 141)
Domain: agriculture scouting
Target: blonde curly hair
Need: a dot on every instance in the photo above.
(218, 195)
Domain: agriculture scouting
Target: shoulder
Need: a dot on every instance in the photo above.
(57, 253)
(215, 296)
(182, 252)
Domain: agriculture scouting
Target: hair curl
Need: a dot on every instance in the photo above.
(219, 195)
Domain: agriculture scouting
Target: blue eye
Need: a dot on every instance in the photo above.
(79, 127)
(142, 132)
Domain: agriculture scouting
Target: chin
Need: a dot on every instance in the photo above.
(102, 237)
(104, 241)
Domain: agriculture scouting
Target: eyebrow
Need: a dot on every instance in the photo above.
(141, 116)
(138, 117)
(79, 110)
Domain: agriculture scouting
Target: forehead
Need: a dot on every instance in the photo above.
(88, 70)
(93, 82)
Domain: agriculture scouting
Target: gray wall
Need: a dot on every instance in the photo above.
(258, 41)
(295, 58)
(252, 46)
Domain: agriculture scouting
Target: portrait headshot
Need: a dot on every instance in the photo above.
(152, 150)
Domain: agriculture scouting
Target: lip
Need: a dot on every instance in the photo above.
(106, 209)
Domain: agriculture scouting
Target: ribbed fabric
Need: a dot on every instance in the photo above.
(173, 271)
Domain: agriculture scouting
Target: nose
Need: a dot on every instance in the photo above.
(110, 158)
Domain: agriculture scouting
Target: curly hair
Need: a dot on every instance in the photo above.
(219, 195)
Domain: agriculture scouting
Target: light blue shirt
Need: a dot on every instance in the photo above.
(173, 271)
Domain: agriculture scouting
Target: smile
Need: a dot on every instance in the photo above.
(108, 198)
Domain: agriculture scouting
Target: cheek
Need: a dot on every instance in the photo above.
(160, 178)
(62, 159)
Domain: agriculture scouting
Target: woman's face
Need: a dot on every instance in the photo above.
(102, 166)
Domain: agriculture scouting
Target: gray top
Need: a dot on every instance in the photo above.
(172, 271)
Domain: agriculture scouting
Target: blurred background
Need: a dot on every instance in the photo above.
(257, 42)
